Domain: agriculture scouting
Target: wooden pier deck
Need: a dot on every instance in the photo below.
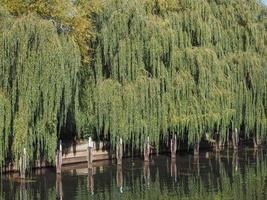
(77, 153)
(72, 154)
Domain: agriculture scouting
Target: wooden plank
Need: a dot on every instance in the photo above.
(81, 146)
(82, 157)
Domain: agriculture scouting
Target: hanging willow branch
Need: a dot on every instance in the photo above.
(188, 67)
(38, 78)
(177, 66)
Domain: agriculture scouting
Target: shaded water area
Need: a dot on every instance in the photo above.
(228, 175)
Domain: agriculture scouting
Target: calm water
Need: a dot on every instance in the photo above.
(237, 176)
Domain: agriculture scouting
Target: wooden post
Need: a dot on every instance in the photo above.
(23, 164)
(119, 152)
(217, 142)
(173, 147)
(256, 141)
(90, 152)
(222, 143)
(146, 150)
(59, 194)
(196, 149)
(59, 158)
(235, 139)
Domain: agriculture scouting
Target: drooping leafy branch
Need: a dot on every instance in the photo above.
(177, 66)
(38, 79)
(156, 67)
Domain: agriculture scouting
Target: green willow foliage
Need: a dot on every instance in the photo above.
(38, 79)
(4, 124)
(187, 67)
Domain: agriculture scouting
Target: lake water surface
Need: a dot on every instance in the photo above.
(229, 175)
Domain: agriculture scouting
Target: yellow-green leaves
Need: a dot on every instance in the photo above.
(5, 125)
(38, 70)
(73, 17)
(177, 66)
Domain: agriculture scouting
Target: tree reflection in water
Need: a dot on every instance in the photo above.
(226, 175)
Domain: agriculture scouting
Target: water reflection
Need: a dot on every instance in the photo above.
(235, 160)
(196, 165)
(147, 173)
(23, 191)
(227, 175)
(59, 195)
(90, 181)
(174, 170)
(119, 178)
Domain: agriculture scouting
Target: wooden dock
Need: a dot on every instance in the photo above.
(69, 154)
(72, 154)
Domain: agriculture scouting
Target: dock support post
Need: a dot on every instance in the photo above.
(146, 150)
(173, 147)
(217, 142)
(90, 152)
(59, 158)
(196, 149)
(23, 164)
(256, 141)
(119, 152)
(235, 139)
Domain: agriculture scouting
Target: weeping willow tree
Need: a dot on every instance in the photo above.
(38, 82)
(157, 67)
(185, 67)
